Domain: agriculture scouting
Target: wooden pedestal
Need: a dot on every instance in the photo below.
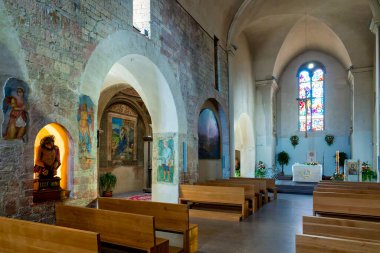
(47, 190)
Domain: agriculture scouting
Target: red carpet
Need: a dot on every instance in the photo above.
(142, 197)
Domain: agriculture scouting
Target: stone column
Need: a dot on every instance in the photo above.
(266, 91)
(362, 144)
(375, 28)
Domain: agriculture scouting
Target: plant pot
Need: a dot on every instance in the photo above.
(107, 194)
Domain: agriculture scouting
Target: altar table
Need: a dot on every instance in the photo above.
(306, 173)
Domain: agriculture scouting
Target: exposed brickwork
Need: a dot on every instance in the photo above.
(57, 38)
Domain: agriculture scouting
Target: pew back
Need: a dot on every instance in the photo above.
(24, 236)
(342, 228)
(317, 244)
(130, 230)
(168, 217)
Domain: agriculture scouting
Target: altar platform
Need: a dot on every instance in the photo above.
(289, 186)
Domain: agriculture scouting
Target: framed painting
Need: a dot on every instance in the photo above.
(122, 137)
(208, 135)
(165, 172)
(352, 171)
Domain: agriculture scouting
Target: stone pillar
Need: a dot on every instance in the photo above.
(362, 113)
(375, 28)
(266, 91)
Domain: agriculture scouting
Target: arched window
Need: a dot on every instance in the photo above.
(311, 110)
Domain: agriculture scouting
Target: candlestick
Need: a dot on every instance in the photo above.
(337, 162)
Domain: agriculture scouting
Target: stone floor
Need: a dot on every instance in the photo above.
(272, 229)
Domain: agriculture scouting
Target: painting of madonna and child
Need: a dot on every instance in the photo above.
(15, 110)
(208, 134)
(123, 135)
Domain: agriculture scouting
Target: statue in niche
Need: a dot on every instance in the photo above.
(15, 114)
(48, 158)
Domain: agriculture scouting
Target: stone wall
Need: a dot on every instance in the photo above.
(56, 39)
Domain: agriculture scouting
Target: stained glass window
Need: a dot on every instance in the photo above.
(311, 109)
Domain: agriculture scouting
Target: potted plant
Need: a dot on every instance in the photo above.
(283, 159)
(261, 170)
(107, 182)
(367, 173)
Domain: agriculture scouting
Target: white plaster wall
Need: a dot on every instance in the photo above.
(337, 113)
(243, 89)
(129, 178)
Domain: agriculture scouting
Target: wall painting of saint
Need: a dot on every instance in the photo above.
(165, 170)
(86, 131)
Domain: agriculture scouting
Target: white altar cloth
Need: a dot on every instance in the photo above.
(306, 173)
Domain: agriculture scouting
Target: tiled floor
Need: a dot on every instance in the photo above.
(272, 229)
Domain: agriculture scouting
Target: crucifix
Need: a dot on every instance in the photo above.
(305, 101)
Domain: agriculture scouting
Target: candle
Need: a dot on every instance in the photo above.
(337, 161)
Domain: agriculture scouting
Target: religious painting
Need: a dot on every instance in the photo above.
(16, 119)
(208, 134)
(165, 170)
(85, 119)
(352, 170)
(122, 137)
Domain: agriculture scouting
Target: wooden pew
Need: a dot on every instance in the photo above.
(215, 195)
(342, 228)
(261, 184)
(350, 204)
(251, 193)
(271, 184)
(18, 236)
(124, 229)
(318, 244)
(168, 217)
(346, 190)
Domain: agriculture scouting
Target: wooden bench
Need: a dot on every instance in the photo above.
(342, 228)
(214, 196)
(168, 217)
(349, 204)
(123, 229)
(251, 193)
(18, 236)
(260, 184)
(318, 244)
(271, 184)
(346, 190)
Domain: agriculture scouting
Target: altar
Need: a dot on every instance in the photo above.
(306, 173)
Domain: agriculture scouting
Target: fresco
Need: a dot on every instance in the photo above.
(16, 118)
(86, 131)
(208, 134)
(123, 135)
(165, 160)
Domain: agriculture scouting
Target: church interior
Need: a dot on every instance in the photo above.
(190, 126)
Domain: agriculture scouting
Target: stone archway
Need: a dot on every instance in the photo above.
(124, 55)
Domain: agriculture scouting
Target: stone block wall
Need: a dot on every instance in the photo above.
(57, 39)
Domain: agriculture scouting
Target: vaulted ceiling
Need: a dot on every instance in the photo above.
(278, 30)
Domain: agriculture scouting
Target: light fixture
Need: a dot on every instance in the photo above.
(310, 66)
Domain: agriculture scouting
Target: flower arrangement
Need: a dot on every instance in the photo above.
(312, 163)
(294, 140)
(367, 173)
(261, 170)
(329, 139)
(337, 177)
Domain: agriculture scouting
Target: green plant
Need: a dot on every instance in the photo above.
(283, 159)
(367, 173)
(260, 170)
(294, 140)
(337, 177)
(107, 182)
(329, 139)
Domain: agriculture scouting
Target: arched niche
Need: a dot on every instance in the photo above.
(64, 142)
(212, 123)
(122, 59)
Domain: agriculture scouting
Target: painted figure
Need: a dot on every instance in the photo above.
(17, 117)
(166, 160)
(85, 120)
(48, 158)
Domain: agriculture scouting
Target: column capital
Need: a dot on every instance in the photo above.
(375, 24)
(268, 83)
